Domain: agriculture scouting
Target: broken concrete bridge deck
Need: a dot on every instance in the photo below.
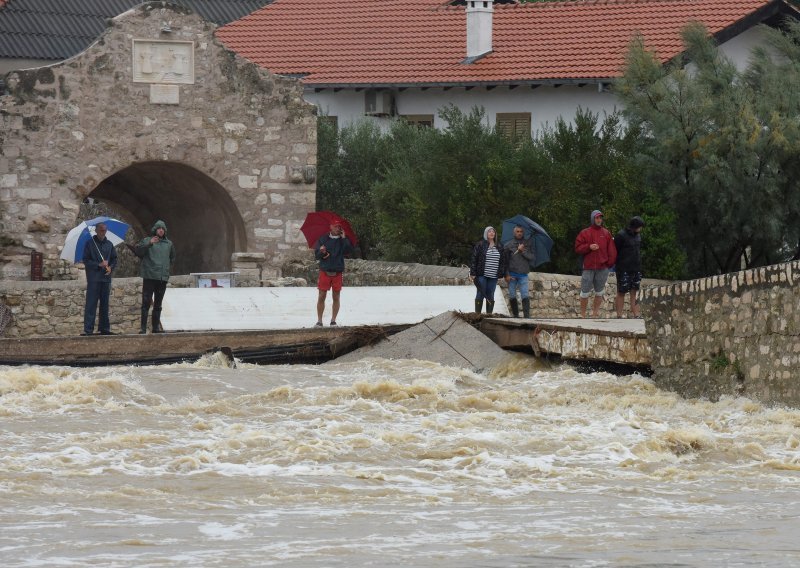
(447, 339)
(314, 345)
(621, 341)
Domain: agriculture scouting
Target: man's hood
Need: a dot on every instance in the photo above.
(636, 222)
(594, 214)
(159, 225)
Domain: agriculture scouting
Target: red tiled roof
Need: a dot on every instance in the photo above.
(379, 42)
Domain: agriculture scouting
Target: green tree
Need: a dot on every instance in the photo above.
(586, 164)
(350, 162)
(715, 150)
(774, 72)
(442, 187)
(425, 195)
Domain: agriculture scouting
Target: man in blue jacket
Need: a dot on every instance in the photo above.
(330, 251)
(99, 260)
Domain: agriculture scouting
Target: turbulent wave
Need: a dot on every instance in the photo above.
(157, 444)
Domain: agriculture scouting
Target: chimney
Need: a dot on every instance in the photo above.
(479, 28)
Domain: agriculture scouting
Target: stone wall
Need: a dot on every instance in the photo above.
(56, 308)
(46, 309)
(733, 334)
(161, 121)
(552, 295)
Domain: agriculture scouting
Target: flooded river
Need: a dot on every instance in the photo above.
(387, 463)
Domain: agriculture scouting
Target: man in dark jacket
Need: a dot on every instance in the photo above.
(596, 245)
(99, 261)
(330, 250)
(519, 255)
(629, 265)
(157, 253)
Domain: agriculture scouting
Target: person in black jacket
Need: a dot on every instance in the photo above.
(629, 265)
(99, 261)
(488, 264)
(330, 251)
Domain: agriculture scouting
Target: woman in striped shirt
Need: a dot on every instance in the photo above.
(488, 264)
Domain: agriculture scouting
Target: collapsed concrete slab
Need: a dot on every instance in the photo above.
(445, 339)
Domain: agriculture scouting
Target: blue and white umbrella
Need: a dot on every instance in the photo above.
(80, 235)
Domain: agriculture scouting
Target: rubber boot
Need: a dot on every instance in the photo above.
(143, 325)
(526, 307)
(489, 307)
(478, 306)
(157, 321)
(514, 307)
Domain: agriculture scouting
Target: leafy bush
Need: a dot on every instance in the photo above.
(425, 195)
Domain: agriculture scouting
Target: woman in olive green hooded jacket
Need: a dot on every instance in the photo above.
(157, 253)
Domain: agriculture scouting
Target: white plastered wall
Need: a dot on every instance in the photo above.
(545, 103)
(739, 48)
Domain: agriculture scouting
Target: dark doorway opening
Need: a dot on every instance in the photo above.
(202, 219)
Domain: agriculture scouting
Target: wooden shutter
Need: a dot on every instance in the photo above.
(514, 125)
(419, 119)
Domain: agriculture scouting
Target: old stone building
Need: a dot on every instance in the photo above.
(157, 120)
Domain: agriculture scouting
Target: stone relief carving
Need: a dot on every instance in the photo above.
(170, 62)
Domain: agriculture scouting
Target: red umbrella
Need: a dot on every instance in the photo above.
(319, 223)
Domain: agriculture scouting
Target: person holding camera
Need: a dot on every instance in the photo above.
(519, 254)
(157, 253)
(330, 251)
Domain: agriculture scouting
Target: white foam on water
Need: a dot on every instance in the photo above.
(379, 461)
(217, 531)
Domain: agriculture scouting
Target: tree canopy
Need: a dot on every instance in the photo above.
(721, 145)
(425, 195)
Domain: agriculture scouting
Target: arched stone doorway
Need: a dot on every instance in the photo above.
(220, 151)
(203, 221)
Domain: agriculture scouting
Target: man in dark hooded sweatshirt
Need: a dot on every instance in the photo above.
(629, 265)
(157, 253)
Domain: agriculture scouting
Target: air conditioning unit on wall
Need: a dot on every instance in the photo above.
(379, 103)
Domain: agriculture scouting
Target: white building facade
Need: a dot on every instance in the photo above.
(541, 104)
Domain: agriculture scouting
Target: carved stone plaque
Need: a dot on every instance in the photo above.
(170, 62)
(165, 94)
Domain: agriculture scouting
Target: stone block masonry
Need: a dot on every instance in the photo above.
(47, 309)
(732, 334)
(157, 122)
(41, 309)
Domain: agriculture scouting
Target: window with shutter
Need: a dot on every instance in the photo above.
(419, 119)
(514, 125)
(332, 120)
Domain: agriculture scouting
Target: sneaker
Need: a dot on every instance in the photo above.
(106, 333)
(333, 322)
(318, 324)
(83, 333)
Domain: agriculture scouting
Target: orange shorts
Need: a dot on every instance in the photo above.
(325, 282)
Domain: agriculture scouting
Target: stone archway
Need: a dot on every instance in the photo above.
(203, 221)
(221, 150)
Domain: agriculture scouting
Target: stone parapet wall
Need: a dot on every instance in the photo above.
(732, 334)
(51, 308)
(552, 295)
(46, 309)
